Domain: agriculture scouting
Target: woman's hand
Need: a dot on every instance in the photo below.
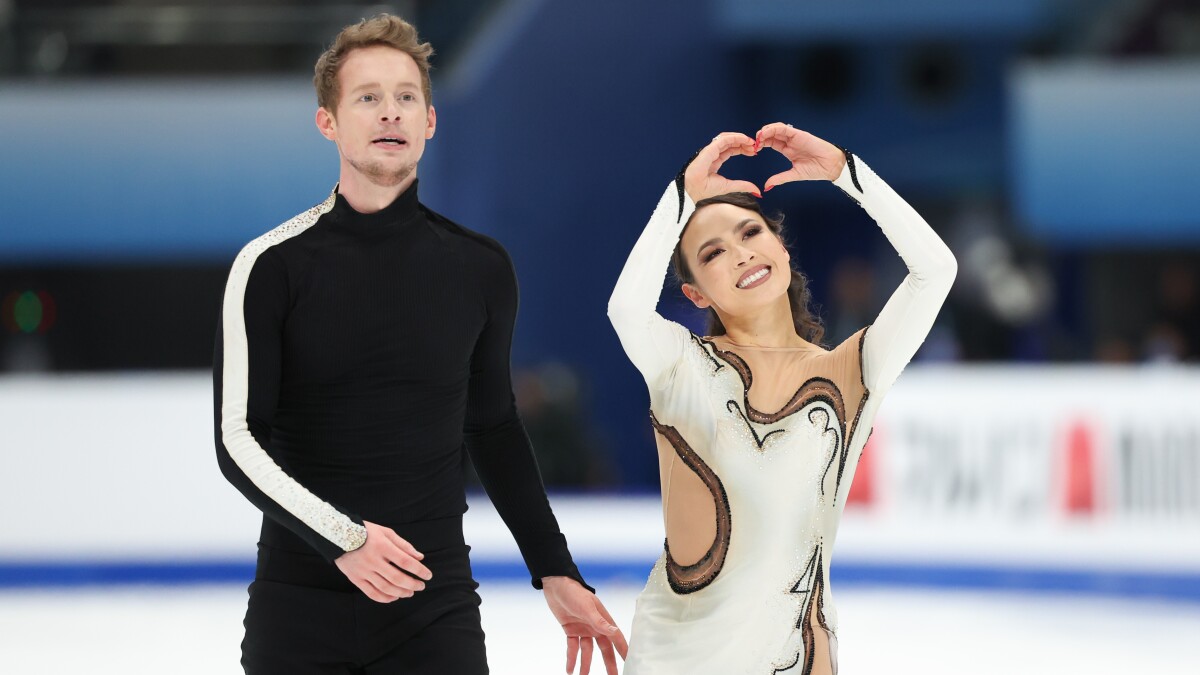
(811, 157)
(701, 178)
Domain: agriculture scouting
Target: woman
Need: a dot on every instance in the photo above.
(758, 428)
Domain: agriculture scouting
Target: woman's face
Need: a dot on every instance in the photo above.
(739, 266)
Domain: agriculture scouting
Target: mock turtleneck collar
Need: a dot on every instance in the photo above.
(403, 209)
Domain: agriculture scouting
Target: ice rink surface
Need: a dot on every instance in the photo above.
(193, 630)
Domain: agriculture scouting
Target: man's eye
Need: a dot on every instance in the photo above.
(408, 97)
(367, 98)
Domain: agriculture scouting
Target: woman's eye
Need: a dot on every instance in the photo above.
(712, 254)
(753, 231)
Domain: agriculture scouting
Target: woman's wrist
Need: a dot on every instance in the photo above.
(843, 158)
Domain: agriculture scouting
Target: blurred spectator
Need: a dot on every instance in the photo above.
(1003, 295)
(1175, 335)
(551, 407)
(1164, 344)
(1160, 27)
(26, 354)
(854, 299)
(1114, 350)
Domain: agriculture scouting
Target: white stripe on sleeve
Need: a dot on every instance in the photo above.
(235, 433)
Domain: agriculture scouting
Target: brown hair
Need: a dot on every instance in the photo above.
(382, 29)
(808, 325)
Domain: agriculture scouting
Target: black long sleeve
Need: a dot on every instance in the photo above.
(499, 446)
(357, 356)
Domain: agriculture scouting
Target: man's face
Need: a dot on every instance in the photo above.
(382, 120)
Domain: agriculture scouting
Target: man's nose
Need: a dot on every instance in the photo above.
(391, 110)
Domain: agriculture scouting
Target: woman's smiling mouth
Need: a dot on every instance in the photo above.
(754, 277)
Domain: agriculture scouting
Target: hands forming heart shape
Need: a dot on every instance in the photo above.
(812, 159)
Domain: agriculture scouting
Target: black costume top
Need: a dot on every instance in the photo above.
(356, 355)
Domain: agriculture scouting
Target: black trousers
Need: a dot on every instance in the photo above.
(305, 617)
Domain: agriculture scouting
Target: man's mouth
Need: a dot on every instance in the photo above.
(390, 141)
(754, 277)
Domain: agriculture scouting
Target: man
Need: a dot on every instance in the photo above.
(362, 345)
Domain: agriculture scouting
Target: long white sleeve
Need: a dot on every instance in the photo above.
(653, 343)
(908, 316)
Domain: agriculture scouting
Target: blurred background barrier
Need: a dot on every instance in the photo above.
(982, 477)
(1046, 435)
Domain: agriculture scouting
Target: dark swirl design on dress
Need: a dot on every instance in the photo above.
(815, 601)
(732, 406)
(862, 378)
(853, 170)
(815, 389)
(717, 366)
(691, 578)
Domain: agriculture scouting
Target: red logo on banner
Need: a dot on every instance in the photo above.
(862, 490)
(1079, 489)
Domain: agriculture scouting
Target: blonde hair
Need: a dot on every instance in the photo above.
(383, 29)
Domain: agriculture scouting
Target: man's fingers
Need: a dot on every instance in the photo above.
(585, 659)
(405, 556)
(610, 659)
(399, 579)
(604, 612)
(403, 544)
(617, 637)
(618, 640)
(387, 586)
(373, 591)
(572, 652)
(599, 621)
(409, 564)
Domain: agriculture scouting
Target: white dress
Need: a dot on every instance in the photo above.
(754, 494)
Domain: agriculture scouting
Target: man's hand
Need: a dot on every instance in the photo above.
(583, 619)
(385, 568)
(811, 157)
(701, 178)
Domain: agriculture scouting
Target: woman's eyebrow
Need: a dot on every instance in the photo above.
(737, 228)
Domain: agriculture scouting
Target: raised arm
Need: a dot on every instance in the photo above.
(652, 342)
(909, 314)
(906, 319)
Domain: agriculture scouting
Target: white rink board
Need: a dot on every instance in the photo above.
(966, 465)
